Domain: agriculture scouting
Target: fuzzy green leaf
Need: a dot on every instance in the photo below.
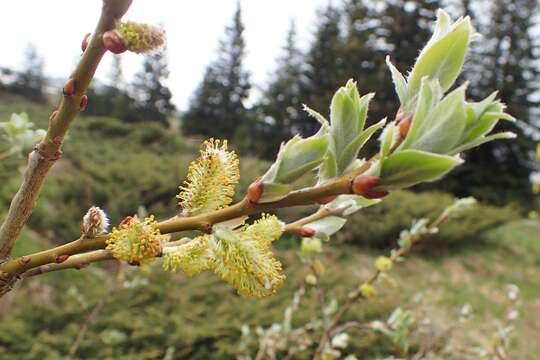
(443, 56)
(410, 167)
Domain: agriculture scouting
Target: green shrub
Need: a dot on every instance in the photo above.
(380, 225)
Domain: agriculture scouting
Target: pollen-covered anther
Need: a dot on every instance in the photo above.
(140, 38)
(136, 241)
(211, 179)
(95, 222)
(245, 263)
(191, 258)
(363, 185)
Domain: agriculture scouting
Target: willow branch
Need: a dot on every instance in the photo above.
(202, 222)
(80, 261)
(49, 149)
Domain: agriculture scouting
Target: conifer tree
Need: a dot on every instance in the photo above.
(281, 105)
(152, 96)
(324, 66)
(31, 81)
(507, 60)
(218, 109)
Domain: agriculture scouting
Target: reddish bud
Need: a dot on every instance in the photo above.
(69, 88)
(113, 42)
(126, 220)
(307, 232)
(86, 41)
(84, 102)
(255, 191)
(24, 260)
(404, 126)
(134, 263)
(57, 140)
(326, 199)
(60, 258)
(43, 269)
(363, 185)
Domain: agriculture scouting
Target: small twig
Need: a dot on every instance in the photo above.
(91, 318)
(356, 294)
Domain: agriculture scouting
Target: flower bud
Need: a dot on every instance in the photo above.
(255, 191)
(140, 38)
(307, 232)
(95, 222)
(60, 258)
(367, 291)
(404, 126)
(383, 263)
(69, 88)
(113, 42)
(363, 185)
(86, 41)
(84, 102)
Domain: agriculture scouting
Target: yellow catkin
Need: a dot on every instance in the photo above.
(136, 241)
(242, 262)
(191, 258)
(140, 38)
(211, 179)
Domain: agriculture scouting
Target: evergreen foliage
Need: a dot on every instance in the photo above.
(153, 99)
(30, 82)
(217, 108)
(280, 107)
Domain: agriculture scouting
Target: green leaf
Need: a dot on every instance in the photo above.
(350, 153)
(410, 167)
(297, 157)
(388, 138)
(348, 113)
(400, 84)
(352, 203)
(482, 140)
(444, 54)
(443, 127)
(274, 192)
(321, 119)
(426, 100)
(327, 226)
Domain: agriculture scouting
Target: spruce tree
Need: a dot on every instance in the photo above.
(152, 96)
(30, 82)
(281, 105)
(324, 66)
(506, 61)
(404, 27)
(217, 108)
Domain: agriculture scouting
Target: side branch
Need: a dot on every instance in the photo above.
(49, 149)
(204, 222)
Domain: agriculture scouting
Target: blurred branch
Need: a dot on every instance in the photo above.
(357, 294)
(49, 149)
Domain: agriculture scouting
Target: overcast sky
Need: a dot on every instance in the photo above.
(193, 27)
